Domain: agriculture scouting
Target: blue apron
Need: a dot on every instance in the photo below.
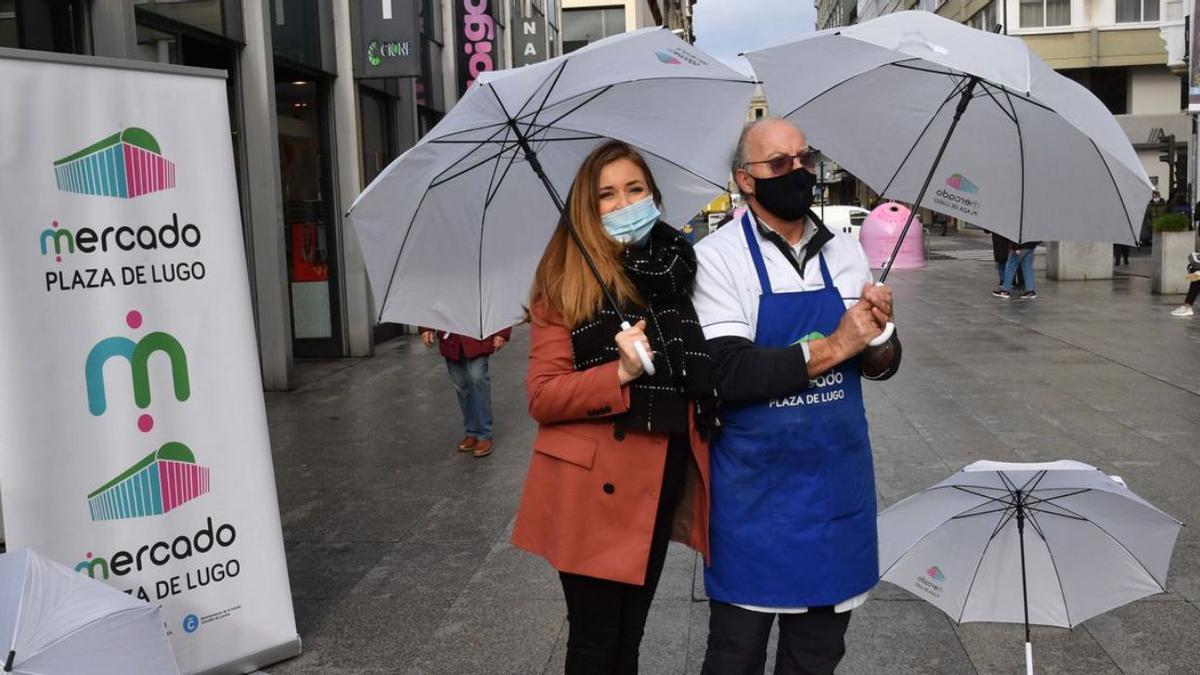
(792, 521)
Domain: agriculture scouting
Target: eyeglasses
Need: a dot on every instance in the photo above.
(784, 163)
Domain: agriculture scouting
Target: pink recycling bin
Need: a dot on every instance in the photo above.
(880, 231)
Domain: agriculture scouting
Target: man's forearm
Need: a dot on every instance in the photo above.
(827, 353)
(747, 373)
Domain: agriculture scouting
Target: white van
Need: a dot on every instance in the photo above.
(839, 218)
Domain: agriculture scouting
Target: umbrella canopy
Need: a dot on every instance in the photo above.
(452, 230)
(1052, 543)
(56, 621)
(1034, 156)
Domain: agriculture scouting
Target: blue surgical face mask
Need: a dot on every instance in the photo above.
(632, 224)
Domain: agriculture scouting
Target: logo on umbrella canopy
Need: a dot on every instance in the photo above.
(959, 182)
(935, 573)
(676, 56)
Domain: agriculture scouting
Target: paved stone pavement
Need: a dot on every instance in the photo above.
(398, 545)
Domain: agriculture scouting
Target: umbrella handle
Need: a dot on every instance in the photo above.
(886, 335)
(643, 356)
(1028, 658)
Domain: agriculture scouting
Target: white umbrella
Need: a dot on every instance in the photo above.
(1010, 145)
(452, 230)
(1052, 543)
(55, 621)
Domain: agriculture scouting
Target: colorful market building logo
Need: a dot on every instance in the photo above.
(138, 355)
(935, 573)
(959, 182)
(668, 58)
(127, 164)
(163, 480)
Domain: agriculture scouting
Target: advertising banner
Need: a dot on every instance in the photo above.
(475, 33)
(133, 434)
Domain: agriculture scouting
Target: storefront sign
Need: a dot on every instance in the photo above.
(133, 435)
(387, 38)
(476, 36)
(529, 37)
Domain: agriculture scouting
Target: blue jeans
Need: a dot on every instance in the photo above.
(1024, 258)
(474, 388)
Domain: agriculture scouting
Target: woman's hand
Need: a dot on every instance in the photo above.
(630, 366)
(427, 337)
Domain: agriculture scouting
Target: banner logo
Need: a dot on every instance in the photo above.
(127, 164)
(138, 355)
(959, 182)
(161, 481)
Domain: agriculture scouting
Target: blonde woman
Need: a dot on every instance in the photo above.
(620, 461)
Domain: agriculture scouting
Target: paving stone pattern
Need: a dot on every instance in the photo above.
(398, 545)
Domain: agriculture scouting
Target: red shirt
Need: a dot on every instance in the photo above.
(460, 347)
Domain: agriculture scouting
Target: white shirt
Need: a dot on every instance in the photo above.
(727, 292)
(727, 288)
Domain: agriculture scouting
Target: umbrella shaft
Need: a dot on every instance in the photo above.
(536, 165)
(1024, 584)
(958, 113)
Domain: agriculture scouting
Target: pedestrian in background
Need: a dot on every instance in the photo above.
(620, 461)
(1019, 255)
(1193, 290)
(467, 361)
(1156, 208)
(1000, 246)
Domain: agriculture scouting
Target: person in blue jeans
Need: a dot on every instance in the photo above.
(467, 361)
(1019, 255)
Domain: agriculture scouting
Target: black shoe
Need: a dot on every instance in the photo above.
(1029, 295)
(1001, 293)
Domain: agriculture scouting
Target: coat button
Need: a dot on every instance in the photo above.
(609, 489)
(619, 434)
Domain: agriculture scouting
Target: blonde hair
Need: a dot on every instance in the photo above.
(563, 279)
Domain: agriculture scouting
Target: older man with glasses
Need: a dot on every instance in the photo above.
(788, 309)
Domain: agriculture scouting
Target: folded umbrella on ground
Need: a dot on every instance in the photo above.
(55, 621)
(1052, 543)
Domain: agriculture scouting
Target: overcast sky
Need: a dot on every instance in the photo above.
(725, 27)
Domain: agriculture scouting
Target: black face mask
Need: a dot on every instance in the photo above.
(787, 196)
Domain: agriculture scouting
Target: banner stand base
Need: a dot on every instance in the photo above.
(267, 657)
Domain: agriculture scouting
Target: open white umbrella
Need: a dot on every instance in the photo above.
(1052, 543)
(55, 621)
(452, 230)
(971, 124)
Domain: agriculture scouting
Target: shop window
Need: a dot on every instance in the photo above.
(1045, 13)
(1136, 11)
(378, 133)
(295, 31)
(583, 26)
(207, 15)
(46, 25)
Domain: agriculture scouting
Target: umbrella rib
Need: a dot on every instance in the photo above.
(988, 92)
(440, 180)
(479, 144)
(544, 140)
(399, 254)
(1115, 187)
(1053, 563)
(961, 516)
(855, 77)
(1068, 515)
(956, 91)
(78, 629)
(978, 565)
(963, 488)
(542, 107)
(673, 163)
(923, 537)
(1021, 147)
(1043, 500)
(442, 139)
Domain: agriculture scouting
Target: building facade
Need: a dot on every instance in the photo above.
(322, 96)
(1129, 53)
(586, 21)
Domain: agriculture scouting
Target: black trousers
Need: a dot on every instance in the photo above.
(812, 643)
(607, 618)
(1192, 292)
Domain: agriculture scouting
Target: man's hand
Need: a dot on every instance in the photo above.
(498, 343)
(880, 298)
(428, 337)
(859, 325)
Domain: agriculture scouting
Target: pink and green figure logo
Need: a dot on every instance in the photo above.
(127, 164)
(162, 481)
(959, 182)
(137, 354)
(935, 574)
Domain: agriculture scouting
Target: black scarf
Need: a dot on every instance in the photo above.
(663, 271)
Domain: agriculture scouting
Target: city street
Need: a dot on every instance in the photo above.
(397, 545)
